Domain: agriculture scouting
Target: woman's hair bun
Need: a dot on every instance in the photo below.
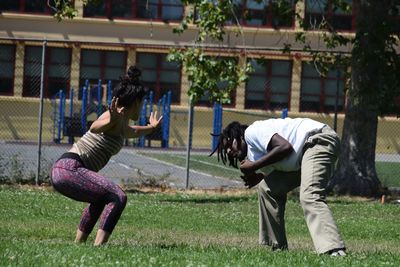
(134, 74)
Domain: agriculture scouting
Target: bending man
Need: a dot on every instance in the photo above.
(280, 155)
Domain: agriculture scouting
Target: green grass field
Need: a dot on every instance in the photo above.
(37, 228)
(388, 172)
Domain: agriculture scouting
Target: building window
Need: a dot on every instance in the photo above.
(7, 67)
(101, 65)
(318, 94)
(57, 71)
(27, 6)
(263, 14)
(159, 9)
(136, 9)
(160, 75)
(269, 85)
(318, 11)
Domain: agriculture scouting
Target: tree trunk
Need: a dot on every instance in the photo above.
(356, 173)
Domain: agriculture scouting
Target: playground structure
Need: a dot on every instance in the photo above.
(75, 124)
(217, 123)
(164, 109)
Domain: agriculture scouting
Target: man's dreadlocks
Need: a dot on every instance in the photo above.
(234, 130)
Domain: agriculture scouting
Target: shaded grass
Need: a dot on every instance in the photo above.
(388, 172)
(180, 229)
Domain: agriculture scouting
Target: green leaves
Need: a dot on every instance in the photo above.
(63, 9)
(214, 75)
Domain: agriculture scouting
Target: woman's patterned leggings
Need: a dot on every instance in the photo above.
(105, 198)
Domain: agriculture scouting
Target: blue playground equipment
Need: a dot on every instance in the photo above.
(284, 113)
(164, 109)
(76, 124)
(217, 123)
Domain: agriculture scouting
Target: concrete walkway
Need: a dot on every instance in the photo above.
(126, 167)
(140, 168)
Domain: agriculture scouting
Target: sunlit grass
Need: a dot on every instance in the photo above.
(181, 228)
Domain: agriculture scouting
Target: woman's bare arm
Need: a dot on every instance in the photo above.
(109, 119)
(137, 130)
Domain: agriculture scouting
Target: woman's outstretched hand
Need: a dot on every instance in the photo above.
(153, 121)
(116, 113)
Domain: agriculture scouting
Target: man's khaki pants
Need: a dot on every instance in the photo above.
(320, 154)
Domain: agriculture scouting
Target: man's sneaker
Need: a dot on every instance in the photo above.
(337, 253)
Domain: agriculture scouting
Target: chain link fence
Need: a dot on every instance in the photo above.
(76, 81)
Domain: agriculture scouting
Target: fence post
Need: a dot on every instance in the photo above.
(189, 140)
(71, 112)
(63, 103)
(60, 120)
(56, 116)
(39, 158)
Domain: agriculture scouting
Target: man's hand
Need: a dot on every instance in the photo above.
(252, 179)
(247, 167)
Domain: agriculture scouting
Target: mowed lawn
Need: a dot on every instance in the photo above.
(37, 228)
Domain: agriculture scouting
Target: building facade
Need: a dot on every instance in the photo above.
(105, 38)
